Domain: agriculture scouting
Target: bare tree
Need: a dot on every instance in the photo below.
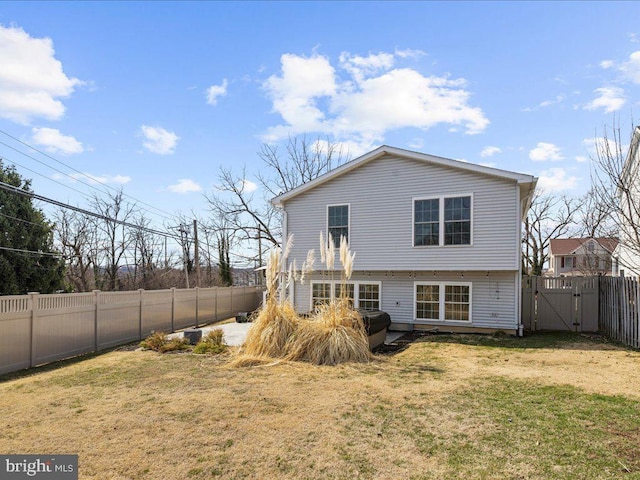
(594, 217)
(115, 238)
(616, 180)
(75, 233)
(248, 214)
(548, 218)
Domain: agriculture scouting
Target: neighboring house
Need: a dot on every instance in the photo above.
(581, 256)
(626, 257)
(437, 241)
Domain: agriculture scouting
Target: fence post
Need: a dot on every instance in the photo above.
(215, 303)
(95, 319)
(32, 326)
(173, 308)
(141, 300)
(197, 304)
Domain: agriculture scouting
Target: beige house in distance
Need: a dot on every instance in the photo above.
(571, 257)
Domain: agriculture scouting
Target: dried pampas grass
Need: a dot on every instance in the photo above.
(336, 334)
(270, 331)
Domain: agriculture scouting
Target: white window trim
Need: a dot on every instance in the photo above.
(356, 290)
(441, 199)
(441, 306)
(348, 205)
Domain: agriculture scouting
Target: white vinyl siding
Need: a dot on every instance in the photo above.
(380, 195)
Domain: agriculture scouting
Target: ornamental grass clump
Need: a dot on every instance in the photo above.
(160, 342)
(213, 343)
(335, 333)
(277, 320)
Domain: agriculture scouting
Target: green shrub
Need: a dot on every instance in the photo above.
(160, 342)
(212, 343)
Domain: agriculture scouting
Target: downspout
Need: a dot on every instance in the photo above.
(519, 264)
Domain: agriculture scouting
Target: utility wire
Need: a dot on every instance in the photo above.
(21, 220)
(44, 176)
(171, 216)
(20, 250)
(11, 188)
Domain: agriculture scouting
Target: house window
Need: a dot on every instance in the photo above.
(427, 222)
(591, 247)
(345, 290)
(369, 296)
(457, 221)
(443, 301)
(320, 294)
(364, 295)
(338, 223)
(442, 221)
(428, 302)
(456, 302)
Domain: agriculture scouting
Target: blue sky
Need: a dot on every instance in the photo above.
(155, 97)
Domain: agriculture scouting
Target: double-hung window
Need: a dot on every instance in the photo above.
(443, 301)
(338, 223)
(442, 221)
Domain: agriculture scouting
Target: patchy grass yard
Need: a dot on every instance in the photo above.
(543, 407)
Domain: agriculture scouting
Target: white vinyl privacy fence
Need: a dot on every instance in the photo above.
(37, 329)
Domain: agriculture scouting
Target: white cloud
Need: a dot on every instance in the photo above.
(417, 143)
(581, 158)
(556, 180)
(606, 64)
(375, 97)
(32, 80)
(359, 67)
(185, 185)
(215, 91)
(490, 151)
(544, 152)
(631, 68)
(55, 142)
(410, 53)
(158, 140)
(92, 179)
(545, 103)
(248, 186)
(610, 99)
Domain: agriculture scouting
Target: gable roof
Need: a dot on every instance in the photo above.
(524, 180)
(568, 246)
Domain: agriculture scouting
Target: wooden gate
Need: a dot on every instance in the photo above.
(560, 303)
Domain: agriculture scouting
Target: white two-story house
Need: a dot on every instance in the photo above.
(437, 241)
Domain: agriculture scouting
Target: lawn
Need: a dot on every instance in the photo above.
(542, 407)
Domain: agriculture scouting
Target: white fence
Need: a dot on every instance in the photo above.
(37, 329)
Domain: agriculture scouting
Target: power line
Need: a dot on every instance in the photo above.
(20, 250)
(44, 176)
(11, 188)
(171, 216)
(21, 220)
